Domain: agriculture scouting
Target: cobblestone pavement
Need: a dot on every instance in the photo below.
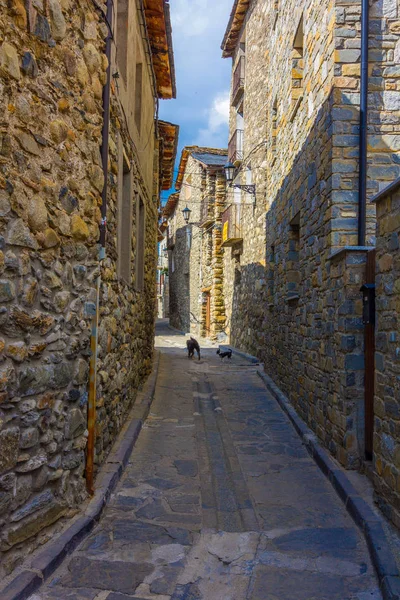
(220, 501)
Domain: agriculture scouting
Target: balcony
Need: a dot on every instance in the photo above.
(235, 147)
(207, 212)
(231, 229)
(238, 82)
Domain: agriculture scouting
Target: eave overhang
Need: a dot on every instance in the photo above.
(232, 33)
(186, 152)
(158, 23)
(170, 206)
(168, 133)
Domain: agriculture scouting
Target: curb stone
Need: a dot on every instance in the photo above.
(362, 514)
(44, 564)
(248, 357)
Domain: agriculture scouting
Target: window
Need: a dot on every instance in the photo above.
(297, 67)
(274, 127)
(122, 36)
(140, 244)
(124, 236)
(292, 259)
(138, 95)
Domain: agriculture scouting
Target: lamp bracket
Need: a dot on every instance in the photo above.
(250, 189)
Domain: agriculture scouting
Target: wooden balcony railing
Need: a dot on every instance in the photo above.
(207, 211)
(238, 81)
(231, 229)
(235, 147)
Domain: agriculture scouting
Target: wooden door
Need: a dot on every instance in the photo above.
(208, 313)
(369, 381)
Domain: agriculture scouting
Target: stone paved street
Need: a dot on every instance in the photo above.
(220, 501)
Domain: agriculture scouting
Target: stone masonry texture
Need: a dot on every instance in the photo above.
(52, 72)
(387, 382)
(291, 297)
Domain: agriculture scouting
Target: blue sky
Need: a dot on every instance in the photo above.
(202, 75)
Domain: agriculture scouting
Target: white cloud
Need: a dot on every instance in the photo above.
(216, 132)
(219, 112)
(190, 18)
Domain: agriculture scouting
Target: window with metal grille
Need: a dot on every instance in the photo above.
(138, 95)
(140, 243)
(274, 127)
(124, 231)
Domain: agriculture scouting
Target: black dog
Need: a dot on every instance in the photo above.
(227, 354)
(193, 345)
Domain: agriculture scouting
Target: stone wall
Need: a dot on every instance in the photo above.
(212, 257)
(387, 357)
(52, 71)
(218, 316)
(184, 259)
(286, 300)
(195, 263)
(127, 314)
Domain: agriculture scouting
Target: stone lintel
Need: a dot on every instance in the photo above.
(393, 187)
(341, 252)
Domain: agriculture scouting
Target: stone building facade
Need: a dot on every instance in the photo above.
(195, 254)
(53, 88)
(292, 267)
(162, 279)
(387, 382)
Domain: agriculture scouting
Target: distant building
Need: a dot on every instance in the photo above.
(195, 256)
(162, 280)
(168, 145)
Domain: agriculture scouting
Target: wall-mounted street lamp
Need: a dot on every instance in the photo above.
(186, 214)
(230, 171)
(165, 253)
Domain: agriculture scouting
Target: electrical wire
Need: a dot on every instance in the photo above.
(239, 169)
(196, 187)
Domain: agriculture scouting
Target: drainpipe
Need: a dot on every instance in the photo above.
(362, 182)
(91, 415)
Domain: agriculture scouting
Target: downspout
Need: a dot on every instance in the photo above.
(362, 182)
(91, 414)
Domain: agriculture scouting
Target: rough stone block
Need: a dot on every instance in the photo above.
(9, 448)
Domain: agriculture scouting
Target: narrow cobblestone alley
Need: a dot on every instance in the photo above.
(220, 501)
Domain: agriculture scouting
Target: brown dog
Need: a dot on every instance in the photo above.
(193, 345)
